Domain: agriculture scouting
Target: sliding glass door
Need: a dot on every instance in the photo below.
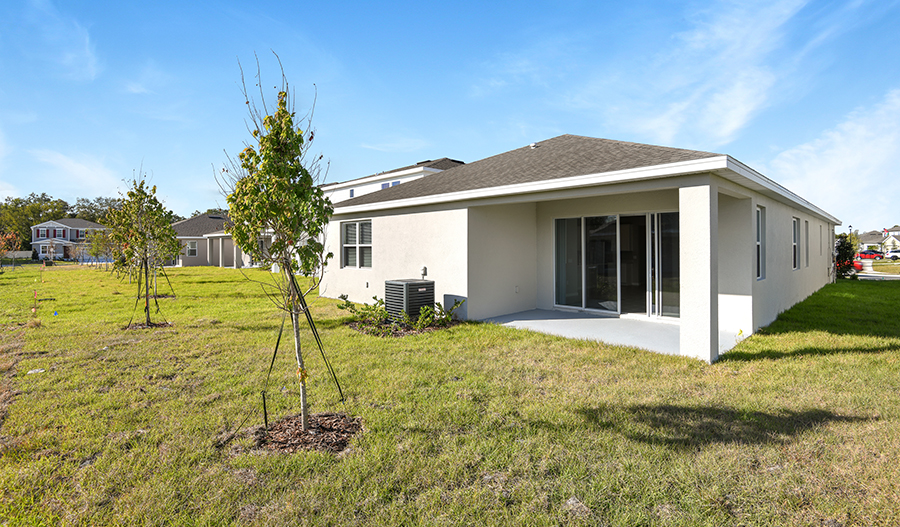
(620, 264)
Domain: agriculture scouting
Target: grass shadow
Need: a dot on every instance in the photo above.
(774, 354)
(686, 427)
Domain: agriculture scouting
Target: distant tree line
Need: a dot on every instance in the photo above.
(18, 215)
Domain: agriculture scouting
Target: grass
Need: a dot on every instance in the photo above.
(477, 424)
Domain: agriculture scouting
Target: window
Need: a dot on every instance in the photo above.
(795, 243)
(356, 244)
(42, 233)
(806, 241)
(760, 243)
(351, 192)
(820, 240)
(395, 183)
(192, 248)
(43, 249)
(385, 185)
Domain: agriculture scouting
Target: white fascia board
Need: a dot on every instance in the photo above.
(767, 186)
(378, 177)
(710, 164)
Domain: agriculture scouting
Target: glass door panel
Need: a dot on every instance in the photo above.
(669, 265)
(601, 263)
(568, 262)
(633, 258)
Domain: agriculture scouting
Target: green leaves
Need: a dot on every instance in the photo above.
(278, 195)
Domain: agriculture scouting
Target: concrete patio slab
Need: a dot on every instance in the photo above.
(655, 336)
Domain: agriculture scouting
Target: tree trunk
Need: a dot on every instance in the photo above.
(295, 322)
(147, 290)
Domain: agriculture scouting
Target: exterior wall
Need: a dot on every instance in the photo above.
(634, 202)
(784, 286)
(191, 261)
(737, 269)
(502, 263)
(402, 243)
(698, 228)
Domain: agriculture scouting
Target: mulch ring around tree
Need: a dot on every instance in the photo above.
(152, 325)
(327, 432)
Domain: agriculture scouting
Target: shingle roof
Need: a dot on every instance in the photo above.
(200, 225)
(78, 223)
(440, 164)
(560, 157)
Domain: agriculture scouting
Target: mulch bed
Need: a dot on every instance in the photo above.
(396, 330)
(328, 432)
(152, 325)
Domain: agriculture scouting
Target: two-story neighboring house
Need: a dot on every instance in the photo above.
(60, 239)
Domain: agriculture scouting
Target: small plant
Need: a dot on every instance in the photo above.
(375, 320)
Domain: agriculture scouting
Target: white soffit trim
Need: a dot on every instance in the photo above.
(709, 164)
(746, 176)
(724, 166)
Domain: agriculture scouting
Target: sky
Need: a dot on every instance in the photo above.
(93, 93)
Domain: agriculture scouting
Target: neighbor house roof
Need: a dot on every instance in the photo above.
(75, 223)
(560, 157)
(200, 225)
(443, 163)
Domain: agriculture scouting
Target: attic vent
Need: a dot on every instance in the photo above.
(409, 295)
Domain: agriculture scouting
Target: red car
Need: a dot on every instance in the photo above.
(876, 255)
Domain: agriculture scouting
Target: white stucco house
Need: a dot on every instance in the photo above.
(665, 235)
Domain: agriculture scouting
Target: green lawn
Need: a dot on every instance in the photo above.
(477, 424)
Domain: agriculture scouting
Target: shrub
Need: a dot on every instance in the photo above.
(375, 320)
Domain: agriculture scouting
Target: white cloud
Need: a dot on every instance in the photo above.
(149, 81)
(401, 145)
(850, 169)
(85, 176)
(715, 78)
(65, 41)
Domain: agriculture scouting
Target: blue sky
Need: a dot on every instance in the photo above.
(808, 93)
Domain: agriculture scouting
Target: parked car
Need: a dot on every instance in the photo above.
(893, 255)
(875, 255)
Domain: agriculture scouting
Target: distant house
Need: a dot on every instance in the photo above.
(886, 240)
(661, 235)
(354, 188)
(204, 242)
(63, 238)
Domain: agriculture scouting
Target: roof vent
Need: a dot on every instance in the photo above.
(533, 146)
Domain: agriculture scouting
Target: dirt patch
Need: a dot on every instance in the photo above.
(328, 432)
(12, 339)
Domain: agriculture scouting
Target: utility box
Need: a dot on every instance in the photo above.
(409, 295)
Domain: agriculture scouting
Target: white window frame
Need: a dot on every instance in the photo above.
(355, 245)
(191, 247)
(42, 233)
(795, 243)
(760, 243)
(806, 242)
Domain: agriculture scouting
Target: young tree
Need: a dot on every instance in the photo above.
(143, 237)
(273, 189)
(9, 241)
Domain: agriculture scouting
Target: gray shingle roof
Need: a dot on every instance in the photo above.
(200, 225)
(560, 157)
(78, 223)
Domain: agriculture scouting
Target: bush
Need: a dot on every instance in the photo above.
(375, 320)
(843, 256)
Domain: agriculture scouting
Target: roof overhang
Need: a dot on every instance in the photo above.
(723, 166)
